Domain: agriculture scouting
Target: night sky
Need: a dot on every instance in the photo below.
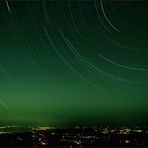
(74, 62)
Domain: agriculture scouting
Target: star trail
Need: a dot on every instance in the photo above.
(74, 62)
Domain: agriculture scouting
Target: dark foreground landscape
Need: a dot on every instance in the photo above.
(72, 137)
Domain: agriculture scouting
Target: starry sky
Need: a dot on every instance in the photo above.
(66, 62)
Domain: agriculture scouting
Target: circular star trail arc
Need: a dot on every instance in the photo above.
(4, 105)
(8, 6)
(120, 65)
(107, 17)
